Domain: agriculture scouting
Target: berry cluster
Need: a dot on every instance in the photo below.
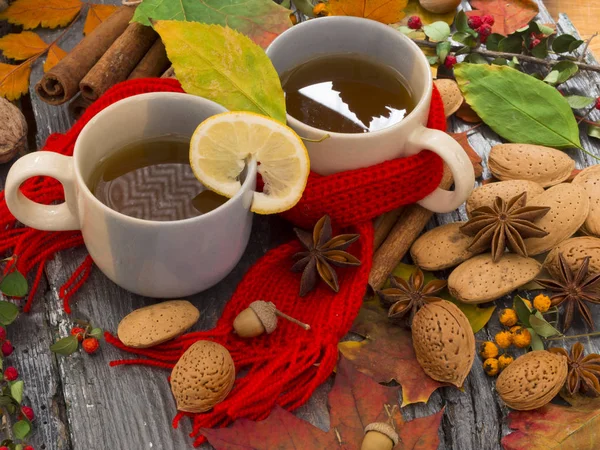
(89, 343)
(483, 26)
(84, 334)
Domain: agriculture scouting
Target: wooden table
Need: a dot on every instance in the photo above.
(83, 404)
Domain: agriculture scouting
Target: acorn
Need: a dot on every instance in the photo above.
(260, 317)
(379, 436)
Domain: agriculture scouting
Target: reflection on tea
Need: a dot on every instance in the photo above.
(346, 93)
(153, 180)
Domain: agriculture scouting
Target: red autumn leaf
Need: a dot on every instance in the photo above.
(556, 427)
(354, 401)
(509, 15)
(387, 354)
(463, 140)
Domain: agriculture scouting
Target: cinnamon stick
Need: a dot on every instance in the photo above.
(78, 105)
(61, 83)
(153, 64)
(408, 227)
(384, 224)
(118, 61)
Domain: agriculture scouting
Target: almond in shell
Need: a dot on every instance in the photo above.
(203, 377)
(155, 324)
(569, 207)
(486, 194)
(444, 342)
(441, 247)
(532, 380)
(480, 279)
(544, 165)
(589, 179)
(451, 95)
(575, 250)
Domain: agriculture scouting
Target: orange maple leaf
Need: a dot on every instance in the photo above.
(45, 13)
(96, 15)
(55, 54)
(384, 11)
(22, 46)
(14, 80)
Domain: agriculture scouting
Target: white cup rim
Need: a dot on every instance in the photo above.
(85, 190)
(423, 102)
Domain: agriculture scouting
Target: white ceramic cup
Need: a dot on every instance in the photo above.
(347, 151)
(150, 258)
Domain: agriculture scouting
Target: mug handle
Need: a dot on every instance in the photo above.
(441, 200)
(35, 215)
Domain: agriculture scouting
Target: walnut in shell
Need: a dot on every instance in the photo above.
(444, 342)
(203, 377)
(532, 380)
(13, 132)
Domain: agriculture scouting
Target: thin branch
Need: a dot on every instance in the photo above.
(574, 336)
(7, 422)
(587, 44)
(519, 56)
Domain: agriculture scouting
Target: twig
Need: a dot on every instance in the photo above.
(7, 422)
(531, 59)
(574, 336)
(587, 44)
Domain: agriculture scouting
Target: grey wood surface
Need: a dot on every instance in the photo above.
(83, 404)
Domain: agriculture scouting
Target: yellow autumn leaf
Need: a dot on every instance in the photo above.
(14, 80)
(21, 46)
(384, 11)
(414, 8)
(96, 15)
(55, 54)
(45, 13)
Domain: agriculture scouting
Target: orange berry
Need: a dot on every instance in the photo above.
(90, 345)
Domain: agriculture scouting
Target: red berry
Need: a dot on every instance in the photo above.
(450, 61)
(11, 374)
(598, 103)
(475, 22)
(28, 412)
(90, 345)
(7, 348)
(4, 448)
(2, 337)
(29, 447)
(534, 43)
(414, 23)
(484, 31)
(488, 19)
(79, 332)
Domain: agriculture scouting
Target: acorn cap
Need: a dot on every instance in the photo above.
(383, 428)
(266, 314)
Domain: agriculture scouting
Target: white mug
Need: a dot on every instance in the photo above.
(347, 151)
(150, 258)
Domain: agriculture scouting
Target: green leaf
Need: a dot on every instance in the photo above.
(523, 311)
(16, 390)
(561, 72)
(437, 31)
(541, 28)
(541, 50)
(461, 22)
(517, 106)
(492, 41)
(19, 447)
(465, 38)
(21, 429)
(433, 60)
(244, 80)
(476, 58)
(404, 29)
(500, 62)
(6, 400)
(565, 43)
(513, 63)
(442, 50)
(260, 20)
(8, 312)
(511, 44)
(97, 333)
(579, 101)
(541, 325)
(593, 130)
(14, 284)
(536, 341)
(463, 50)
(65, 346)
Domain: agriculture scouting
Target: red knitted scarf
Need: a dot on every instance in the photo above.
(285, 367)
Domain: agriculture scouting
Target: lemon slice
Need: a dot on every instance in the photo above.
(222, 144)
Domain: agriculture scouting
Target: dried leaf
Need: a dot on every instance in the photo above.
(475, 159)
(354, 401)
(55, 54)
(14, 80)
(466, 113)
(22, 46)
(414, 8)
(384, 11)
(387, 354)
(509, 15)
(197, 52)
(96, 15)
(555, 426)
(45, 13)
(260, 20)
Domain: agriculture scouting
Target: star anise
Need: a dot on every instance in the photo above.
(574, 290)
(405, 298)
(504, 224)
(583, 370)
(322, 251)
